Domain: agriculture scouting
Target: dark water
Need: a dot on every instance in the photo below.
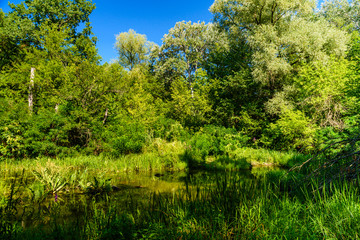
(127, 192)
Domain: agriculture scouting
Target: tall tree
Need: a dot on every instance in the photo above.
(133, 48)
(185, 48)
(342, 13)
(14, 37)
(57, 14)
(281, 34)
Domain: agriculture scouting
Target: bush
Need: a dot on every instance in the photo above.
(213, 140)
(168, 129)
(292, 131)
(125, 136)
(45, 133)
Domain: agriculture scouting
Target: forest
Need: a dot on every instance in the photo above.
(268, 84)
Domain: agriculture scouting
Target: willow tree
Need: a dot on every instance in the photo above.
(342, 13)
(133, 48)
(282, 34)
(185, 48)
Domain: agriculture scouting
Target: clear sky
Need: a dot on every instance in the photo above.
(153, 18)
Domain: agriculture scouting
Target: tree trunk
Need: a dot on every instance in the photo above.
(57, 108)
(31, 88)
(105, 116)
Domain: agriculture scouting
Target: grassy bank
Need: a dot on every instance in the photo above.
(243, 158)
(159, 156)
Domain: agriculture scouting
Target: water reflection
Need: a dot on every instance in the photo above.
(128, 192)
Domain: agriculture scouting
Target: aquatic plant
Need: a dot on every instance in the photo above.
(52, 181)
(97, 187)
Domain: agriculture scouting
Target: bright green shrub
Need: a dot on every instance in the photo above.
(292, 131)
(213, 140)
(45, 133)
(124, 135)
(168, 129)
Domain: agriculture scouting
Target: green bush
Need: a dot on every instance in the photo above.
(168, 129)
(125, 136)
(213, 140)
(292, 131)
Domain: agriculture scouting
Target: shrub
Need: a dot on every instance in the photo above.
(168, 129)
(213, 140)
(292, 131)
(125, 136)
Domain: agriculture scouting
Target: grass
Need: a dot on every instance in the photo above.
(229, 207)
(159, 156)
(265, 157)
(242, 158)
(270, 205)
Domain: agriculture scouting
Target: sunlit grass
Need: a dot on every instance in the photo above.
(265, 157)
(150, 160)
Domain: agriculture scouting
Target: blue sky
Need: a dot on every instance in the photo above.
(153, 18)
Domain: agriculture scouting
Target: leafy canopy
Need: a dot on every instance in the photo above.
(133, 48)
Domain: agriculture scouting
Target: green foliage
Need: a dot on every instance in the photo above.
(280, 33)
(237, 102)
(343, 14)
(320, 88)
(45, 134)
(52, 181)
(133, 48)
(62, 13)
(212, 140)
(291, 131)
(13, 36)
(168, 129)
(274, 71)
(264, 157)
(210, 143)
(191, 110)
(125, 136)
(185, 48)
(97, 187)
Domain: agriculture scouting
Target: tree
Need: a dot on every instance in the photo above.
(29, 17)
(14, 37)
(342, 13)
(280, 50)
(322, 91)
(133, 48)
(185, 48)
(282, 34)
(62, 13)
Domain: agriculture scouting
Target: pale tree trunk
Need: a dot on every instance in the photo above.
(31, 88)
(57, 108)
(190, 83)
(105, 116)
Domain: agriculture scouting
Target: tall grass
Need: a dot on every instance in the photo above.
(230, 207)
(159, 156)
(265, 157)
